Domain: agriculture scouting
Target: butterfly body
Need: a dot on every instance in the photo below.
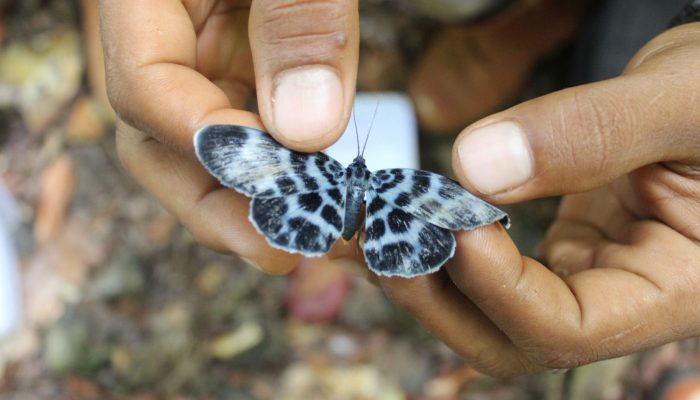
(303, 202)
(356, 182)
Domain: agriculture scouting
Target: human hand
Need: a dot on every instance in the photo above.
(620, 266)
(175, 66)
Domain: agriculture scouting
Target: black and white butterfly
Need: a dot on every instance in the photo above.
(303, 202)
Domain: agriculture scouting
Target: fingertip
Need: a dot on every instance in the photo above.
(486, 258)
(305, 58)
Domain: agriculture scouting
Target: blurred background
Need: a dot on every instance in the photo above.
(104, 295)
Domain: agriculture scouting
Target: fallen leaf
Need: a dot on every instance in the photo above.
(210, 278)
(39, 76)
(361, 381)
(95, 65)
(448, 386)
(81, 388)
(121, 359)
(87, 121)
(57, 185)
(233, 343)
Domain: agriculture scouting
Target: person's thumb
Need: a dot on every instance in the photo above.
(579, 138)
(305, 56)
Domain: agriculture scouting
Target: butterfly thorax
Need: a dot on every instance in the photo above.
(356, 183)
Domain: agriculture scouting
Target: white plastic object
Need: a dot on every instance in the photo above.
(10, 292)
(393, 142)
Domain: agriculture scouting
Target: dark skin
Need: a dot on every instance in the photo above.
(619, 270)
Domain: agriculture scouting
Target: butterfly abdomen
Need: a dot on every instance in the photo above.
(356, 180)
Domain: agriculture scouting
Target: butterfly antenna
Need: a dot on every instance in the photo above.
(357, 135)
(376, 107)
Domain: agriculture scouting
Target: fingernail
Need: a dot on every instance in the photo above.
(307, 103)
(496, 157)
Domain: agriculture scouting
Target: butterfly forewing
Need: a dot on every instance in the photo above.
(254, 164)
(435, 199)
(297, 197)
(410, 218)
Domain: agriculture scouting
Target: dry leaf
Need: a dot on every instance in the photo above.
(448, 386)
(238, 341)
(57, 185)
(86, 122)
(40, 76)
(93, 48)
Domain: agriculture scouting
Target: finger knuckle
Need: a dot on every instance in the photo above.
(496, 368)
(304, 30)
(560, 352)
(122, 90)
(114, 93)
(602, 120)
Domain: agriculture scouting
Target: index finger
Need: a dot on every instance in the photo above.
(632, 298)
(150, 56)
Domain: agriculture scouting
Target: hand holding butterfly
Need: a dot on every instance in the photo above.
(621, 267)
(175, 66)
(619, 270)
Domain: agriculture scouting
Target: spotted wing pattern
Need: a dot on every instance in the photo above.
(410, 218)
(435, 199)
(399, 244)
(297, 197)
(253, 163)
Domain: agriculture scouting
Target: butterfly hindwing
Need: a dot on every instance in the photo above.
(435, 199)
(297, 197)
(253, 163)
(307, 223)
(410, 218)
(399, 244)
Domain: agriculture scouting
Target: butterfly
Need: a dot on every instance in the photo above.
(302, 202)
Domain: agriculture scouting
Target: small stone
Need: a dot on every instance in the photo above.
(173, 327)
(121, 277)
(343, 346)
(236, 342)
(211, 277)
(230, 393)
(140, 366)
(67, 348)
(63, 345)
(121, 359)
